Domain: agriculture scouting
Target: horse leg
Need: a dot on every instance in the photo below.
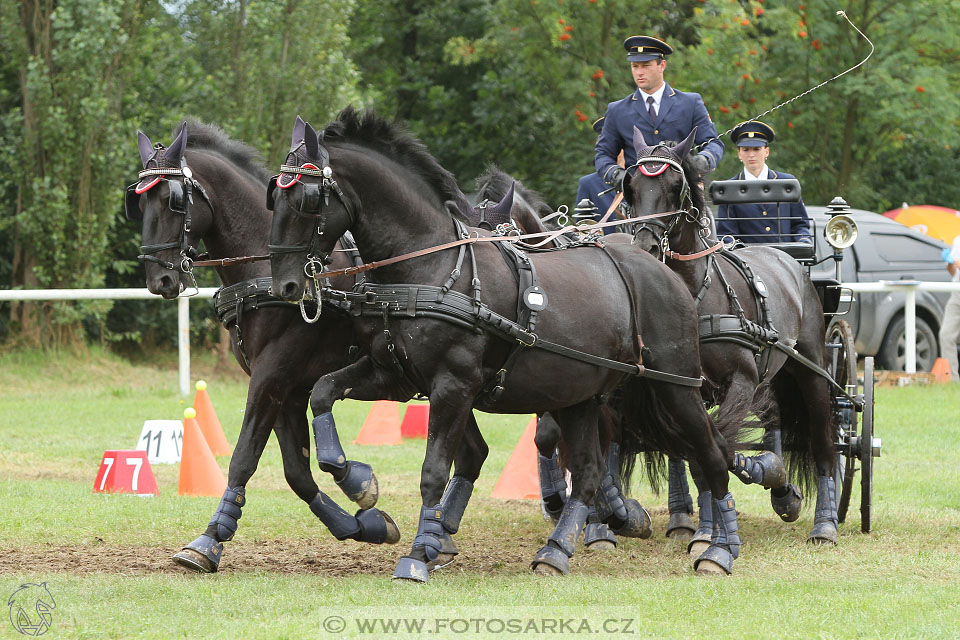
(449, 415)
(361, 380)
(709, 449)
(471, 454)
(702, 536)
(624, 516)
(766, 468)
(679, 502)
(787, 501)
(821, 431)
(553, 486)
(579, 426)
(204, 553)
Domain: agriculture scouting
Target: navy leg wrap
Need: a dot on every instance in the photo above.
(765, 469)
(228, 512)
(429, 533)
(553, 486)
(341, 524)
(203, 554)
(608, 500)
(563, 541)
(787, 502)
(704, 532)
(825, 519)
(596, 531)
(330, 454)
(725, 525)
(355, 479)
(679, 500)
(454, 502)
(726, 541)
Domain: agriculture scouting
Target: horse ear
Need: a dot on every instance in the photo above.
(176, 148)
(506, 203)
(683, 148)
(298, 127)
(312, 142)
(639, 144)
(145, 146)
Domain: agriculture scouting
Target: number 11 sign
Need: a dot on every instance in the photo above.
(162, 440)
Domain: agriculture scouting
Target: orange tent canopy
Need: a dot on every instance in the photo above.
(937, 222)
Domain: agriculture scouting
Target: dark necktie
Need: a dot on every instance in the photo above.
(650, 109)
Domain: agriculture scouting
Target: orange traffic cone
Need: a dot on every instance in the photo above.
(199, 473)
(382, 425)
(415, 421)
(520, 480)
(941, 370)
(208, 421)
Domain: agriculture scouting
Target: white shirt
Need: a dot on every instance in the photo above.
(955, 255)
(763, 172)
(656, 97)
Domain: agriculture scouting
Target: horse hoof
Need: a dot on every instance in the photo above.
(638, 524)
(544, 569)
(680, 527)
(710, 568)
(787, 502)
(393, 531)
(601, 545)
(369, 497)
(411, 570)
(697, 548)
(443, 560)
(190, 559)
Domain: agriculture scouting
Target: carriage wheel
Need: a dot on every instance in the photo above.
(842, 367)
(866, 448)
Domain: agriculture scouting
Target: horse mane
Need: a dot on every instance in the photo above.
(202, 136)
(694, 180)
(368, 129)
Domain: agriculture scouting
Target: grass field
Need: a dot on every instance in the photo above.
(106, 558)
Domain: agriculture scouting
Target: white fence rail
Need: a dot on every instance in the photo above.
(908, 287)
(183, 313)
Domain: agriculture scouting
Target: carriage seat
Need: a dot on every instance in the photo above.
(799, 251)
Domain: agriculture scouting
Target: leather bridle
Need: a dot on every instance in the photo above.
(181, 197)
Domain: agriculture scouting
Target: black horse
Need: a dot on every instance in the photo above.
(434, 334)
(757, 307)
(208, 187)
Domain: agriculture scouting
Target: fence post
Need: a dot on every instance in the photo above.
(183, 343)
(910, 330)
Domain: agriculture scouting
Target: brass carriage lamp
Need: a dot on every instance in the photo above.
(841, 230)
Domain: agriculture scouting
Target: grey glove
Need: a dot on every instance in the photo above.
(614, 177)
(702, 162)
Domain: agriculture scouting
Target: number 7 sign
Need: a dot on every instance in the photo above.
(125, 472)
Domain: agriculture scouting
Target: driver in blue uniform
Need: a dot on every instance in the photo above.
(594, 196)
(660, 112)
(765, 222)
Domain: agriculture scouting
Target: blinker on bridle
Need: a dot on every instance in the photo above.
(310, 206)
(181, 197)
(648, 166)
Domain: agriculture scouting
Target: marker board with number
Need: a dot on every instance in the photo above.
(162, 440)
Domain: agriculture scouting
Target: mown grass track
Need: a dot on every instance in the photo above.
(106, 559)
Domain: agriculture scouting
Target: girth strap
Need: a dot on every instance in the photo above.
(421, 301)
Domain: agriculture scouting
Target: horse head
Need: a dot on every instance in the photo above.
(307, 202)
(526, 207)
(664, 181)
(163, 200)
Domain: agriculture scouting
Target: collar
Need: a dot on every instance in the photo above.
(764, 171)
(657, 95)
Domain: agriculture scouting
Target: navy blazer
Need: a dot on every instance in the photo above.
(679, 113)
(770, 222)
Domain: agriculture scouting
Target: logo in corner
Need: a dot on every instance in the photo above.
(30, 609)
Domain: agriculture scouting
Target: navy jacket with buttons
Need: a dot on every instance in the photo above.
(770, 222)
(679, 113)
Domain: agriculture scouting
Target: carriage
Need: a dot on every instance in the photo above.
(853, 400)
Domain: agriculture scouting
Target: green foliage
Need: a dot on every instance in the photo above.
(513, 82)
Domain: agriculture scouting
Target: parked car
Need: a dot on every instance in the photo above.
(887, 250)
